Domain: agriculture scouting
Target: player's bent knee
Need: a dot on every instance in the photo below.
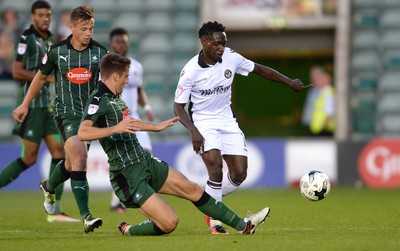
(169, 225)
(239, 177)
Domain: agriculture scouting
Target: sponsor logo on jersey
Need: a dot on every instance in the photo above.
(216, 91)
(228, 73)
(64, 58)
(21, 48)
(92, 109)
(79, 75)
(379, 163)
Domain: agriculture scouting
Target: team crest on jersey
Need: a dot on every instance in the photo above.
(21, 48)
(92, 109)
(228, 73)
(79, 75)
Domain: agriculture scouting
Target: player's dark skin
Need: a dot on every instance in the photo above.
(213, 48)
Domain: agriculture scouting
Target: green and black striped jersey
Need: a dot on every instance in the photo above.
(106, 109)
(76, 72)
(30, 50)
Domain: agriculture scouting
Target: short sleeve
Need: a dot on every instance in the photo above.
(48, 62)
(184, 88)
(244, 65)
(22, 49)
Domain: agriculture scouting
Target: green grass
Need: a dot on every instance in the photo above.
(347, 219)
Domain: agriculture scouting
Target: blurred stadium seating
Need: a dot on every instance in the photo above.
(375, 63)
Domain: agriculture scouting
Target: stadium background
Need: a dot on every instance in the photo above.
(357, 40)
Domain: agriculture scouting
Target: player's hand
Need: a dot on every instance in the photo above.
(197, 142)
(297, 85)
(128, 125)
(167, 123)
(20, 113)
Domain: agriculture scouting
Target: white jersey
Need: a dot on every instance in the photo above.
(130, 93)
(208, 87)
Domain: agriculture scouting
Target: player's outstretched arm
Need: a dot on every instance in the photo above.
(129, 125)
(143, 126)
(20, 113)
(271, 74)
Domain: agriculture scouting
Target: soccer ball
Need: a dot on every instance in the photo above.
(315, 185)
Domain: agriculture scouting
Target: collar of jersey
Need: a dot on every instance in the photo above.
(69, 45)
(104, 89)
(201, 62)
(32, 28)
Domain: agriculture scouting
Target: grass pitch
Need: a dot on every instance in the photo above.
(347, 219)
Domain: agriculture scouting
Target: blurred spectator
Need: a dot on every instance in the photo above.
(9, 29)
(319, 109)
(63, 30)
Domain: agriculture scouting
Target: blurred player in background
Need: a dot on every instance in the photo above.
(135, 175)
(205, 83)
(133, 94)
(39, 123)
(76, 64)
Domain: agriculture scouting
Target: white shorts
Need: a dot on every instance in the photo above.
(144, 140)
(226, 137)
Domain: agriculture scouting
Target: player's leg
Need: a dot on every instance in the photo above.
(28, 157)
(234, 152)
(213, 161)
(236, 174)
(178, 185)
(77, 152)
(56, 149)
(162, 219)
(30, 132)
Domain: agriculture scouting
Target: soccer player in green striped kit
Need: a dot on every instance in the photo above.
(75, 62)
(135, 175)
(39, 124)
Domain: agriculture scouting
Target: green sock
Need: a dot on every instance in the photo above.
(146, 227)
(80, 189)
(219, 211)
(12, 171)
(60, 188)
(57, 177)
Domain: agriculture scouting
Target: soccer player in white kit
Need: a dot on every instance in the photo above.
(205, 83)
(133, 95)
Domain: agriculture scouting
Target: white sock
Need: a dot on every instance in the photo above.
(114, 200)
(227, 185)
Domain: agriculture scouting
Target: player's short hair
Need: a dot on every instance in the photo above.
(209, 28)
(112, 63)
(83, 12)
(40, 5)
(118, 32)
